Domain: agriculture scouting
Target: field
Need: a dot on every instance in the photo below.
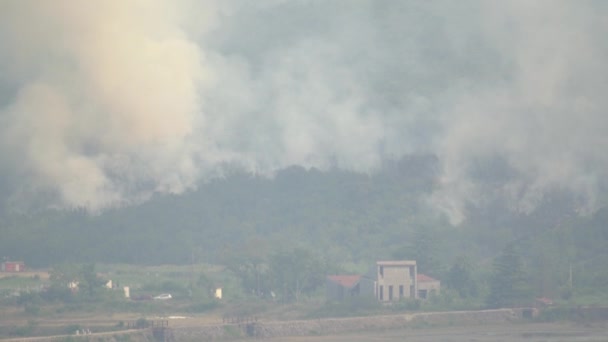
(117, 313)
(24, 313)
(42, 274)
(531, 332)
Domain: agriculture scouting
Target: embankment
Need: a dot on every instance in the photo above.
(131, 335)
(329, 326)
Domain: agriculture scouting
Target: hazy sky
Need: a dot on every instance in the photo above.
(103, 103)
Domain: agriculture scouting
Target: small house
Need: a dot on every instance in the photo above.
(387, 281)
(341, 286)
(427, 286)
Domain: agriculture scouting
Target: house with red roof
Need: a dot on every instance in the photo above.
(342, 286)
(427, 286)
(386, 281)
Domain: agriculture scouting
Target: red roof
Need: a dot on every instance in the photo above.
(544, 300)
(423, 278)
(347, 281)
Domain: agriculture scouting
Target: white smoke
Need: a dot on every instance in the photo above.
(109, 102)
(548, 116)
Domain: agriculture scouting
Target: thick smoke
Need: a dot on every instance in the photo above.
(106, 103)
(106, 97)
(545, 119)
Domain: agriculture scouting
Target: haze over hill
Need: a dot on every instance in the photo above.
(106, 104)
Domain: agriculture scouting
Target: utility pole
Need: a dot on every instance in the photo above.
(192, 272)
(570, 277)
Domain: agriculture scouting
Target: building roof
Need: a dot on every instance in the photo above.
(396, 263)
(347, 281)
(423, 278)
(544, 301)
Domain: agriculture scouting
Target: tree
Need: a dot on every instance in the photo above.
(423, 247)
(90, 283)
(84, 275)
(296, 272)
(460, 278)
(249, 264)
(508, 285)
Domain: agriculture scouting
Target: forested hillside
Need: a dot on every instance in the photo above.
(340, 217)
(347, 215)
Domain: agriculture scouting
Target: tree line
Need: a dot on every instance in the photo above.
(263, 228)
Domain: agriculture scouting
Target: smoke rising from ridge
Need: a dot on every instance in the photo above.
(107, 98)
(105, 104)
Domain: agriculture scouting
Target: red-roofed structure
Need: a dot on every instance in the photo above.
(543, 302)
(427, 286)
(424, 278)
(340, 286)
(12, 266)
(347, 281)
(387, 281)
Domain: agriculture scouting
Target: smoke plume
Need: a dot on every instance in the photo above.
(104, 104)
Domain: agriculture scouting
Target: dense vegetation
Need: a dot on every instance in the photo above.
(336, 221)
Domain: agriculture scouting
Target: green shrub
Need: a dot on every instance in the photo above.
(407, 305)
(232, 331)
(451, 300)
(71, 329)
(202, 306)
(57, 293)
(122, 338)
(349, 307)
(31, 309)
(25, 330)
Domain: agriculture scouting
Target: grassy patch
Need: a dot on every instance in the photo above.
(351, 307)
(20, 282)
(232, 331)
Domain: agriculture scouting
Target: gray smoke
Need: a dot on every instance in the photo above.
(103, 104)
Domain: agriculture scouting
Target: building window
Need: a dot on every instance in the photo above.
(390, 292)
(381, 271)
(400, 291)
(381, 292)
(422, 294)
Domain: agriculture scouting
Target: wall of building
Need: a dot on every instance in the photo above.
(334, 291)
(396, 282)
(428, 287)
(367, 287)
(11, 266)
